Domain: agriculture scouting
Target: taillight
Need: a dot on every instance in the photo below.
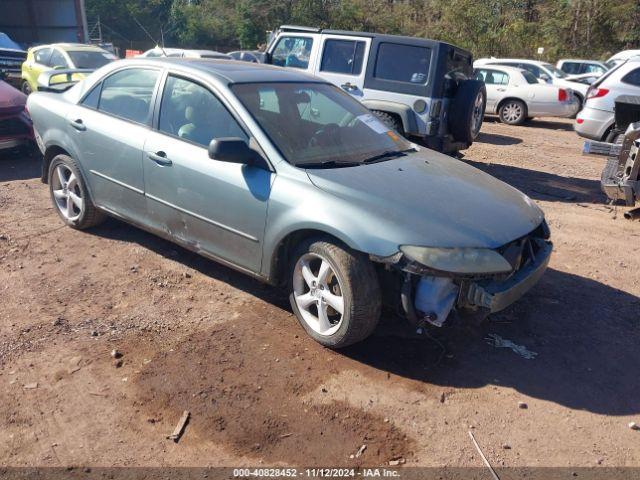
(563, 96)
(597, 93)
(579, 121)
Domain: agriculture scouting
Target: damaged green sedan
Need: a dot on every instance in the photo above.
(287, 178)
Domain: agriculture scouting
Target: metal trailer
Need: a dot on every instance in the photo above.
(32, 22)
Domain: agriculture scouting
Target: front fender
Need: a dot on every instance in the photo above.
(298, 205)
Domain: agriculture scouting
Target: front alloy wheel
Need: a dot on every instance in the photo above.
(334, 292)
(318, 294)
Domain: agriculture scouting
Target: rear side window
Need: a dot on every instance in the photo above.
(492, 77)
(292, 52)
(632, 78)
(93, 97)
(343, 56)
(127, 94)
(57, 59)
(571, 67)
(42, 56)
(403, 63)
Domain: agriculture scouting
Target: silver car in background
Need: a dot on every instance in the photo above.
(596, 121)
(287, 178)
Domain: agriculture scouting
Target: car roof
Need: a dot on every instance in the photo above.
(382, 36)
(73, 46)
(522, 60)
(579, 60)
(505, 68)
(229, 71)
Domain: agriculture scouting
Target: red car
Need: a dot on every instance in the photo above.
(16, 128)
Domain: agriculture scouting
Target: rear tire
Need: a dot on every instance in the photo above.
(390, 121)
(70, 196)
(513, 112)
(324, 275)
(25, 87)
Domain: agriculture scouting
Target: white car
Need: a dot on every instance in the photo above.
(579, 67)
(183, 53)
(596, 120)
(621, 57)
(516, 95)
(544, 72)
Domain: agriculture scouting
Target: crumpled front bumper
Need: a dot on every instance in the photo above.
(495, 296)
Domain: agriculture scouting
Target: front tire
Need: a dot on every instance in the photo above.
(70, 196)
(513, 112)
(334, 292)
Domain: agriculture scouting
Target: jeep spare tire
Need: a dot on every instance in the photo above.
(467, 111)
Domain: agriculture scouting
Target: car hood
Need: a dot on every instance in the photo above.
(430, 199)
(11, 99)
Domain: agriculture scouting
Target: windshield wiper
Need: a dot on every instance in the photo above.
(388, 155)
(328, 164)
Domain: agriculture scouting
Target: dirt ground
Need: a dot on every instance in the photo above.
(197, 336)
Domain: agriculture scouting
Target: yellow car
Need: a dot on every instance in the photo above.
(61, 56)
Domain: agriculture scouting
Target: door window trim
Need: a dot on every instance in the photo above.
(155, 123)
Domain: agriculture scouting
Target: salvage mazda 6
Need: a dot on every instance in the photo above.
(287, 178)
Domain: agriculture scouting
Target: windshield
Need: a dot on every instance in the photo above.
(89, 59)
(554, 71)
(315, 125)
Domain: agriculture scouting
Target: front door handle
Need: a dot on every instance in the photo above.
(78, 125)
(349, 87)
(160, 158)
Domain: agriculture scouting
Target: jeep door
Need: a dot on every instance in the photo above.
(108, 128)
(214, 207)
(342, 62)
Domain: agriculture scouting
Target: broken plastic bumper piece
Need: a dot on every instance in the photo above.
(496, 295)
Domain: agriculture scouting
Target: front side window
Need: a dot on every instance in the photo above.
(57, 59)
(632, 78)
(556, 72)
(403, 63)
(42, 56)
(191, 112)
(292, 52)
(90, 60)
(315, 124)
(127, 94)
(343, 56)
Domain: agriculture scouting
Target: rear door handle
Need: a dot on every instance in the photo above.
(78, 125)
(160, 158)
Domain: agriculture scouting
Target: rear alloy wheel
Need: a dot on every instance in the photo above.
(334, 293)
(70, 196)
(513, 112)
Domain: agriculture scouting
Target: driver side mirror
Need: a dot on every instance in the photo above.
(233, 150)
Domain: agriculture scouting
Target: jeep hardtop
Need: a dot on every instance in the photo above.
(422, 88)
